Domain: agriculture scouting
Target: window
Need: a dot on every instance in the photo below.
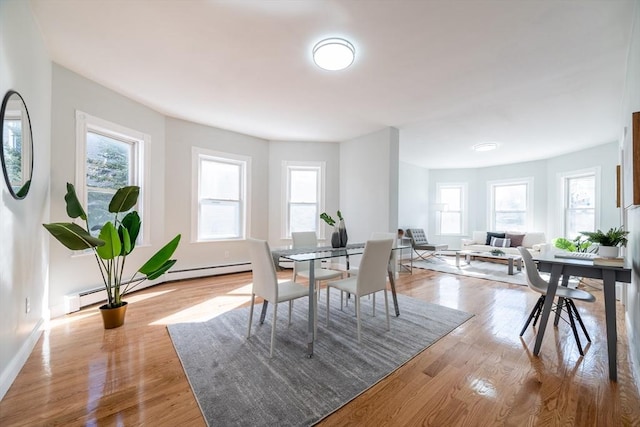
(580, 200)
(511, 205)
(109, 157)
(221, 196)
(303, 195)
(450, 208)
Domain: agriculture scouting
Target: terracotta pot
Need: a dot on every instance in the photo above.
(113, 317)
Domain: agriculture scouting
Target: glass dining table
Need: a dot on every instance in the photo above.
(320, 253)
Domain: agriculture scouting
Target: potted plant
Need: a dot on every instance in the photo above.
(339, 236)
(116, 241)
(609, 242)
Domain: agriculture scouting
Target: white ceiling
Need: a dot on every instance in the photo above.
(540, 77)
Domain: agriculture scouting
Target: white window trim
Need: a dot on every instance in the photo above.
(141, 162)
(284, 191)
(560, 201)
(464, 203)
(530, 208)
(196, 154)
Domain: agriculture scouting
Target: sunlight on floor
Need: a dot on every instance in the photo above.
(211, 308)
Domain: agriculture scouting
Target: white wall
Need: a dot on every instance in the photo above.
(328, 152)
(26, 68)
(70, 273)
(413, 197)
(631, 103)
(369, 183)
(182, 136)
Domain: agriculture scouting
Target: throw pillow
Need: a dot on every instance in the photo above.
(490, 235)
(500, 242)
(516, 239)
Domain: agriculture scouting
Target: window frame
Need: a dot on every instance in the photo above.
(563, 179)
(140, 170)
(198, 155)
(287, 167)
(463, 206)
(529, 211)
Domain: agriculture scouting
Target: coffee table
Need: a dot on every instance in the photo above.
(511, 259)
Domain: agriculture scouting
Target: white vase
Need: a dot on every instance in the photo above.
(608, 251)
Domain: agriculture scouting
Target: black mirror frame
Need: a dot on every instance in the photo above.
(22, 193)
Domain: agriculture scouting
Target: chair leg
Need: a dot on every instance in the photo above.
(290, 309)
(253, 299)
(575, 311)
(535, 321)
(273, 328)
(328, 288)
(386, 308)
(374, 304)
(575, 331)
(358, 317)
(533, 313)
(561, 302)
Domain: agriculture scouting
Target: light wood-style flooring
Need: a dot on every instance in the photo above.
(481, 374)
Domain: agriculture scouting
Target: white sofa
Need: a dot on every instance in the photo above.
(533, 241)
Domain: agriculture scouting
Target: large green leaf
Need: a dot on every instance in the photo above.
(124, 199)
(73, 236)
(163, 269)
(125, 240)
(74, 208)
(160, 258)
(132, 222)
(112, 245)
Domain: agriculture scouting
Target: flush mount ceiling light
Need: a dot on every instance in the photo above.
(333, 54)
(485, 146)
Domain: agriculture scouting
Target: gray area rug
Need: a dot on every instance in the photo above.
(479, 269)
(236, 383)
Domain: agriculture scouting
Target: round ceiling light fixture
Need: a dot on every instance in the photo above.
(333, 54)
(485, 146)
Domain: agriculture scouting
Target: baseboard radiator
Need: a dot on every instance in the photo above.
(75, 302)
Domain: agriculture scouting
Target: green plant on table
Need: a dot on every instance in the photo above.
(117, 240)
(497, 252)
(579, 244)
(613, 237)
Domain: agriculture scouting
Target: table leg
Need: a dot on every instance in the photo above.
(312, 304)
(510, 264)
(392, 282)
(556, 271)
(458, 259)
(263, 314)
(609, 288)
(519, 264)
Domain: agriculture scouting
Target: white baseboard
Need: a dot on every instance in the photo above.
(9, 375)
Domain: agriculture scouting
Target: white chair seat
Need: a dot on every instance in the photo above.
(290, 290)
(320, 274)
(346, 285)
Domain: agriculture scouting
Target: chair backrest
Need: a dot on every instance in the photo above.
(373, 266)
(303, 239)
(534, 280)
(265, 281)
(417, 236)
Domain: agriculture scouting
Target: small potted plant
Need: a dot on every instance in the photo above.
(117, 239)
(609, 242)
(339, 236)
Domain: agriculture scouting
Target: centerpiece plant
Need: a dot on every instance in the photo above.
(115, 242)
(339, 236)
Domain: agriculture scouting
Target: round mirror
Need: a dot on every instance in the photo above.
(17, 145)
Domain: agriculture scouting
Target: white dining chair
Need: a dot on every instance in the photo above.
(267, 286)
(371, 278)
(565, 298)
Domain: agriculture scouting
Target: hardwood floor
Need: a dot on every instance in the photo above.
(480, 374)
